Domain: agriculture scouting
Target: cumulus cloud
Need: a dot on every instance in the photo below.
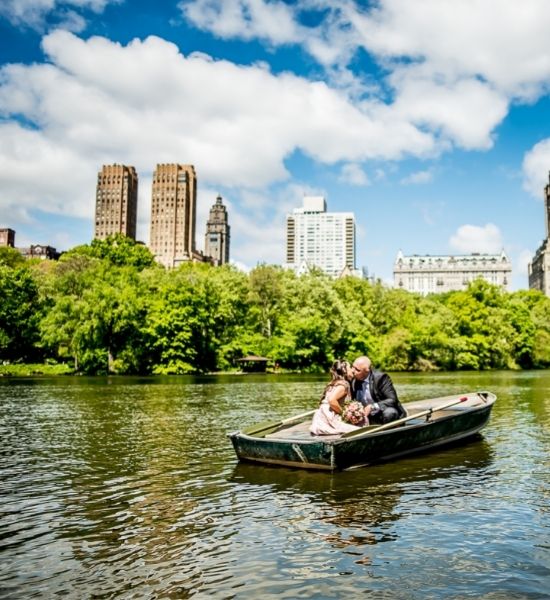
(464, 111)
(353, 174)
(468, 39)
(522, 261)
(245, 19)
(536, 165)
(98, 102)
(453, 67)
(34, 13)
(473, 238)
(448, 74)
(420, 177)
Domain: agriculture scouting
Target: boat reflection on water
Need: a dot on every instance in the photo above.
(362, 503)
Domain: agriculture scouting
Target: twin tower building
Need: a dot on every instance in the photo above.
(173, 213)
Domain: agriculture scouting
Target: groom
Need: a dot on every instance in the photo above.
(375, 391)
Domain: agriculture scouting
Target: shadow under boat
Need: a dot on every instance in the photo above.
(368, 498)
(454, 459)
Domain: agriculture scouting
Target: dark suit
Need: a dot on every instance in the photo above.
(383, 394)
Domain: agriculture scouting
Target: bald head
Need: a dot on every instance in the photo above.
(361, 367)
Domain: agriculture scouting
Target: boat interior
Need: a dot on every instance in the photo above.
(418, 412)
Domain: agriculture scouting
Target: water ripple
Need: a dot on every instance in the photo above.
(124, 489)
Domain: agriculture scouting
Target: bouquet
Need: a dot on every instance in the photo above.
(353, 413)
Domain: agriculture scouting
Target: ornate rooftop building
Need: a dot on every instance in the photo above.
(41, 251)
(539, 267)
(116, 201)
(435, 274)
(216, 243)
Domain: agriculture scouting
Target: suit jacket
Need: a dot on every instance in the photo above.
(382, 392)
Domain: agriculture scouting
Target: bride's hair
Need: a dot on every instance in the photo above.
(338, 372)
(339, 369)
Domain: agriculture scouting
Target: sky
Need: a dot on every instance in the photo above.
(429, 120)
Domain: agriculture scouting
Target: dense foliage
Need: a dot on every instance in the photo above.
(108, 307)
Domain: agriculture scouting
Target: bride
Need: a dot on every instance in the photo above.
(327, 419)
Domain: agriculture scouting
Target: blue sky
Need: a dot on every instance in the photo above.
(428, 119)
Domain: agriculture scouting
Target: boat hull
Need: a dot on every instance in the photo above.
(319, 452)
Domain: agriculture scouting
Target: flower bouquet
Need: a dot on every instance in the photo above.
(353, 413)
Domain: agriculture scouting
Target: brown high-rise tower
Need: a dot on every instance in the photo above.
(116, 201)
(216, 243)
(173, 206)
(539, 267)
(7, 237)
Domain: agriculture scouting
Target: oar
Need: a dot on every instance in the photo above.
(270, 424)
(391, 424)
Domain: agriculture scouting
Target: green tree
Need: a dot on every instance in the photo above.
(194, 317)
(11, 257)
(267, 287)
(96, 315)
(20, 313)
(537, 338)
(485, 334)
(118, 250)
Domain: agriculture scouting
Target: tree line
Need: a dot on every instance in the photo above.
(108, 307)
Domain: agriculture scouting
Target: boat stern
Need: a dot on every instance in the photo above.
(315, 454)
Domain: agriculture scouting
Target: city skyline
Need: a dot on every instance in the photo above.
(428, 121)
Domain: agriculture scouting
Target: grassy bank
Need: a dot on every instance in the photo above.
(26, 370)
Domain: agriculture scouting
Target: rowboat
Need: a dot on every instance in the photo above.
(427, 424)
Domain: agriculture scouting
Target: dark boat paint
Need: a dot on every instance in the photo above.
(366, 448)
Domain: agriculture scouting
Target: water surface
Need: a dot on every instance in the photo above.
(129, 488)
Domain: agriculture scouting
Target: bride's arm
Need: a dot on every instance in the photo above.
(335, 396)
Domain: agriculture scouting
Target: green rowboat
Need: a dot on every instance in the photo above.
(429, 423)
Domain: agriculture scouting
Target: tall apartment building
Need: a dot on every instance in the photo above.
(7, 237)
(317, 238)
(116, 201)
(539, 267)
(216, 243)
(173, 207)
(435, 274)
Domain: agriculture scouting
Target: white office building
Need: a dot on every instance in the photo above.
(317, 238)
(435, 274)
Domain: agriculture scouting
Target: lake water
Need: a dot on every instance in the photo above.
(129, 488)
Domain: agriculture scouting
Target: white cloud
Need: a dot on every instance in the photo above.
(453, 67)
(99, 102)
(353, 174)
(522, 261)
(464, 111)
(507, 47)
(71, 21)
(38, 172)
(420, 177)
(536, 165)
(33, 13)
(473, 238)
(244, 19)
(258, 223)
